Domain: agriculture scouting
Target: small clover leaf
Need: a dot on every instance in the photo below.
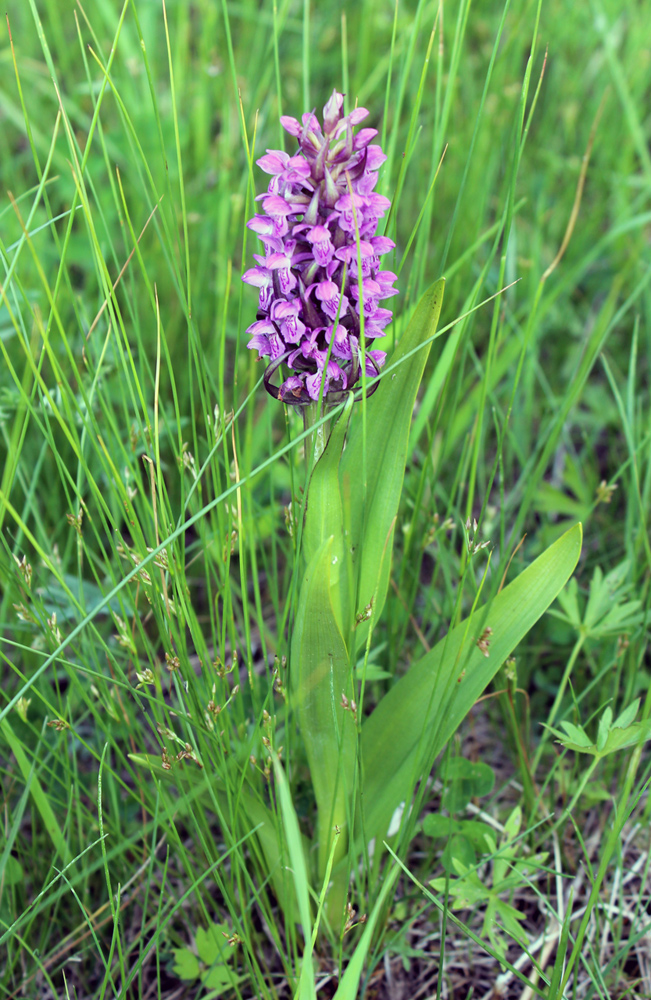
(465, 780)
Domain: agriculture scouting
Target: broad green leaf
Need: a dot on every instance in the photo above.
(459, 855)
(596, 791)
(321, 675)
(510, 917)
(512, 824)
(598, 598)
(607, 612)
(374, 504)
(620, 739)
(324, 517)
(502, 863)
(56, 598)
(569, 601)
(465, 890)
(584, 745)
(554, 500)
(414, 721)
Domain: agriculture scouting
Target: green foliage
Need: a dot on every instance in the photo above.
(152, 501)
(607, 611)
(463, 839)
(612, 735)
(321, 679)
(350, 554)
(465, 780)
(324, 517)
(209, 961)
(502, 921)
(394, 755)
(425, 707)
(372, 467)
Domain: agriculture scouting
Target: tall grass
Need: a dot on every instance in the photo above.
(149, 487)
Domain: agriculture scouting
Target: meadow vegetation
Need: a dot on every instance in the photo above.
(151, 504)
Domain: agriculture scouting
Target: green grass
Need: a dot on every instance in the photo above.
(145, 477)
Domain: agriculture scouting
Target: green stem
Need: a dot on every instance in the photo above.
(558, 699)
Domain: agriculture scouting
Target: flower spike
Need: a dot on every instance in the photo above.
(317, 227)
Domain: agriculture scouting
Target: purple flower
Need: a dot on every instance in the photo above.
(320, 279)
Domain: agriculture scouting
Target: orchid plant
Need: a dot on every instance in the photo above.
(321, 282)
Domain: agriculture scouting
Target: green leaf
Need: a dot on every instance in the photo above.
(478, 834)
(186, 964)
(212, 945)
(607, 612)
(374, 504)
(306, 990)
(321, 674)
(56, 598)
(465, 780)
(375, 673)
(510, 919)
(465, 890)
(37, 791)
(260, 817)
(220, 979)
(13, 873)
(569, 601)
(459, 855)
(597, 598)
(324, 517)
(624, 720)
(617, 739)
(620, 739)
(417, 717)
(604, 728)
(577, 734)
(349, 985)
(596, 791)
(512, 824)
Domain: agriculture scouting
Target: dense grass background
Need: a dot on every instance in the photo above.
(128, 171)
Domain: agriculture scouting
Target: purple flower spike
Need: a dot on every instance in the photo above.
(320, 215)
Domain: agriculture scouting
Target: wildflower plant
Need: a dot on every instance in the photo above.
(321, 282)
